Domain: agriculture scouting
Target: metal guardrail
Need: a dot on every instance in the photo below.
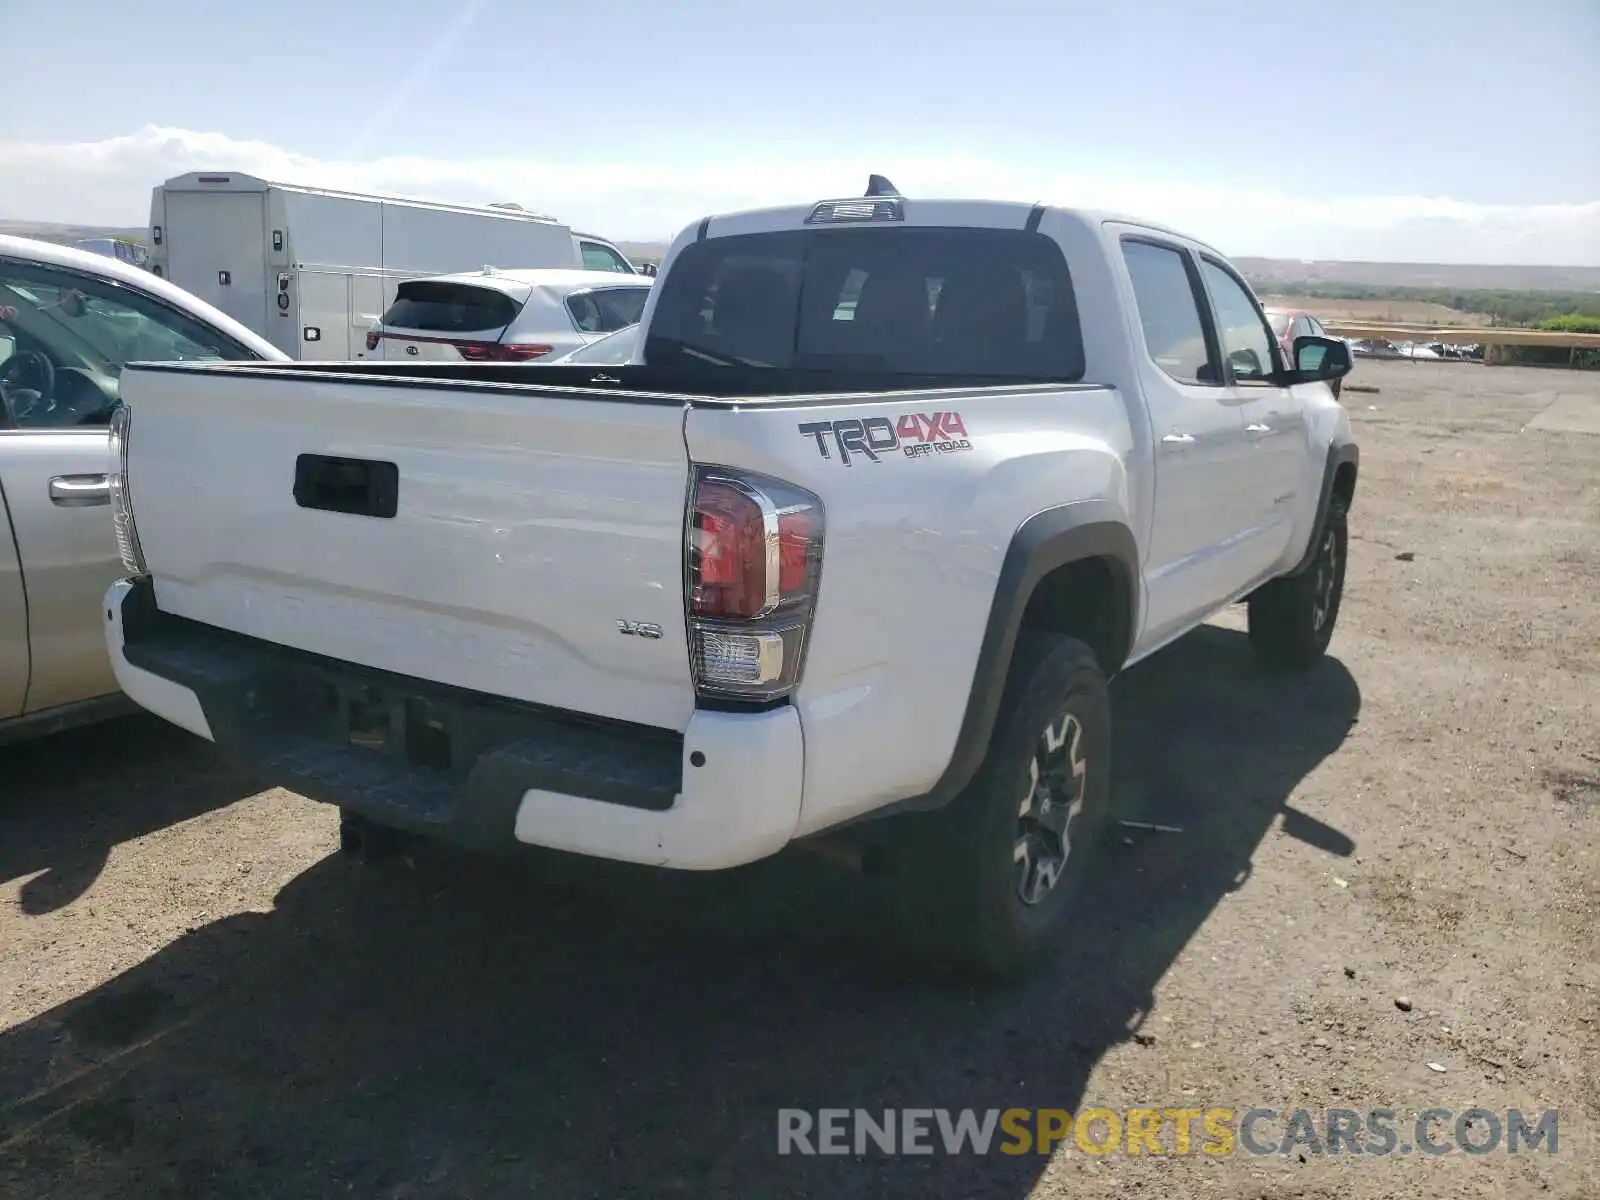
(1461, 335)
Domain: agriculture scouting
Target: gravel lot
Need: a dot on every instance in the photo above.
(199, 998)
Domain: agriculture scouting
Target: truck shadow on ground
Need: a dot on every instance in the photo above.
(463, 1027)
(67, 800)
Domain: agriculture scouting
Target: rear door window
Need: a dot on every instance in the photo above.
(606, 310)
(1167, 298)
(440, 307)
(904, 300)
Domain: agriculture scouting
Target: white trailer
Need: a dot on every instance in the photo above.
(312, 269)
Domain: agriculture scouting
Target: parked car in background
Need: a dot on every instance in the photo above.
(600, 255)
(614, 349)
(1290, 323)
(311, 269)
(505, 316)
(122, 249)
(69, 320)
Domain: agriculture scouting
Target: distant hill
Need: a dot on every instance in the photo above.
(47, 231)
(1260, 271)
(1422, 275)
(643, 252)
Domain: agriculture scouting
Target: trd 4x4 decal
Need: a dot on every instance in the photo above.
(916, 435)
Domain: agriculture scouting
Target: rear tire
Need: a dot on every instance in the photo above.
(1292, 619)
(989, 881)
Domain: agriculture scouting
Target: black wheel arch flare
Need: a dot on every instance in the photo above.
(1342, 456)
(1051, 538)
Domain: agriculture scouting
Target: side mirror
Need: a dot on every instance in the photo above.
(72, 304)
(1320, 360)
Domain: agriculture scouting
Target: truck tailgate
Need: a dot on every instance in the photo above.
(525, 527)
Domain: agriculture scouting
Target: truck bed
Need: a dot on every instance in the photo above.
(486, 527)
(717, 387)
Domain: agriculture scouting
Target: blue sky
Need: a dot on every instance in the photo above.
(1357, 129)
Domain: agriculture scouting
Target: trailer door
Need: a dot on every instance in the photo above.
(325, 316)
(217, 248)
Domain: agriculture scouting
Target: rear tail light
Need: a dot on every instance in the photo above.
(478, 351)
(754, 558)
(128, 548)
(501, 351)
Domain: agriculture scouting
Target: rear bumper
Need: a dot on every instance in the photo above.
(476, 770)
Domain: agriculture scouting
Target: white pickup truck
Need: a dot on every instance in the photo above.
(888, 492)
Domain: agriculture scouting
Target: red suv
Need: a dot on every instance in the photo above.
(1290, 323)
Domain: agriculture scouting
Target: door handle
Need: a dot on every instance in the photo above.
(1178, 439)
(80, 491)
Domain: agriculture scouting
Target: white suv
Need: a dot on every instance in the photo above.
(505, 316)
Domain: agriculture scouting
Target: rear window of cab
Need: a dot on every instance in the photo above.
(922, 300)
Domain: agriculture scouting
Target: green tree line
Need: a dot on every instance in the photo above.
(1572, 323)
(1506, 307)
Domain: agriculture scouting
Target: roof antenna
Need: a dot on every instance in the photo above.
(877, 185)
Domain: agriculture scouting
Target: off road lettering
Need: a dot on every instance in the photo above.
(915, 435)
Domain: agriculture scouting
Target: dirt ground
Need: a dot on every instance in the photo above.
(199, 998)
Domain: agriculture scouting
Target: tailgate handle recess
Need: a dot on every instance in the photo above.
(363, 487)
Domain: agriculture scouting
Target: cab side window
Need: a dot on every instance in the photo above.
(1247, 343)
(1169, 312)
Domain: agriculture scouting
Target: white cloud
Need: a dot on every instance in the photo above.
(109, 182)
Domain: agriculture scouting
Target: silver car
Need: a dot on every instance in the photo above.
(613, 350)
(69, 320)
